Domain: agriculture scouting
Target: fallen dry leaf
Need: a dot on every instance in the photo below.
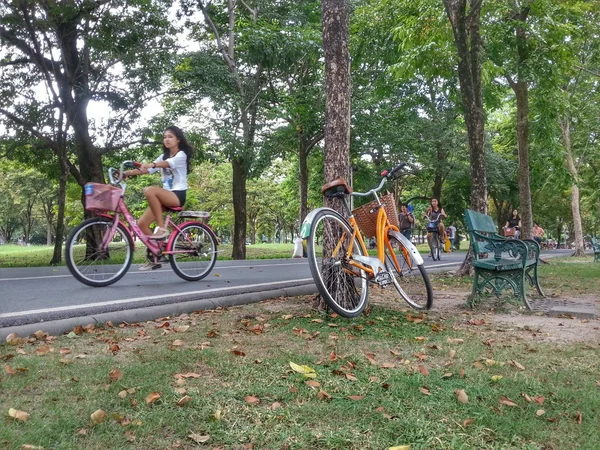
(252, 400)
(12, 339)
(181, 329)
(275, 406)
(122, 394)
(496, 378)
(517, 365)
(187, 375)
(19, 415)
(199, 439)
(425, 390)
(507, 401)
(44, 350)
(540, 412)
(324, 395)
(579, 418)
(452, 353)
(41, 335)
(423, 370)
(308, 372)
(356, 397)
(539, 400)
(447, 375)
(178, 343)
(183, 400)
(400, 447)
(461, 396)
(31, 447)
(237, 352)
(351, 377)
(455, 340)
(9, 370)
(152, 397)
(115, 375)
(312, 383)
(98, 417)
(468, 422)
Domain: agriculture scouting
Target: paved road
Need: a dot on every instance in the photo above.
(34, 295)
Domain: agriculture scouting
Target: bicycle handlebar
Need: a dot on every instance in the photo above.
(386, 175)
(119, 172)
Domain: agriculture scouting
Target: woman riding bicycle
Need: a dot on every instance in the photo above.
(174, 166)
(513, 225)
(435, 213)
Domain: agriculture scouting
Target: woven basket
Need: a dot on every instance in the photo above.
(102, 197)
(366, 215)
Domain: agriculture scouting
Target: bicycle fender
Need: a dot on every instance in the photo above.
(203, 225)
(308, 220)
(409, 246)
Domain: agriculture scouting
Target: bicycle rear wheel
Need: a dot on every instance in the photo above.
(409, 278)
(342, 286)
(194, 251)
(93, 265)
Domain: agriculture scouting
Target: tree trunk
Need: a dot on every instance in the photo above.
(577, 228)
(521, 91)
(467, 38)
(60, 219)
(303, 180)
(525, 207)
(335, 16)
(239, 210)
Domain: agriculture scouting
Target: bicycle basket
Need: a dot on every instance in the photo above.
(432, 226)
(366, 215)
(101, 197)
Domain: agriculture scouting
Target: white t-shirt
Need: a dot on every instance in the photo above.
(174, 178)
(451, 232)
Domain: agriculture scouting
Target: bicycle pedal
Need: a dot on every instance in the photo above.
(383, 279)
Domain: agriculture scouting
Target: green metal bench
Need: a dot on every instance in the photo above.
(595, 247)
(501, 263)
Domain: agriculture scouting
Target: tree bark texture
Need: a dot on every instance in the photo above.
(565, 127)
(335, 16)
(467, 38)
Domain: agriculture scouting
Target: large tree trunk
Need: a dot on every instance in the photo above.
(467, 38)
(239, 210)
(577, 228)
(335, 15)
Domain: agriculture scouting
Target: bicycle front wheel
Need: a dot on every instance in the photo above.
(193, 251)
(342, 286)
(409, 278)
(95, 257)
(434, 245)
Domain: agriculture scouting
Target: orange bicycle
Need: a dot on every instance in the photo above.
(339, 260)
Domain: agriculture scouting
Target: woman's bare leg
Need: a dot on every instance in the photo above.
(145, 221)
(157, 198)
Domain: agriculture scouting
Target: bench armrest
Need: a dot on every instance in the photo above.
(533, 249)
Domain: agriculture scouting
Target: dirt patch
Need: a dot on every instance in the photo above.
(507, 318)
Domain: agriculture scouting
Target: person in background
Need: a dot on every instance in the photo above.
(538, 233)
(407, 221)
(435, 212)
(513, 223)
(451, 235)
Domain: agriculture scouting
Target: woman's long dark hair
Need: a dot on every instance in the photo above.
(184, 145)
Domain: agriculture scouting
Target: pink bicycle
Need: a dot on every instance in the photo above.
(100, 250)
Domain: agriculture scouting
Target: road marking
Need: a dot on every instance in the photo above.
(141, 299)
(131, 272)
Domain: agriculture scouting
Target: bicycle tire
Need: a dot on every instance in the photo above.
(410, 279)
(92, 266)
(199, 248)
(434, 242)
(343, 287)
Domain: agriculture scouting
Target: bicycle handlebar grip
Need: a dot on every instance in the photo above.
(392, 172)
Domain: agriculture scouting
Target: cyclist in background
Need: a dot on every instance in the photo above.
(435, 212)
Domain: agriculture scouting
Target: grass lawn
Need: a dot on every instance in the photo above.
(223, 380)
(40, 255)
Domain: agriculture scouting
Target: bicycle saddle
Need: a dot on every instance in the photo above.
(174, 208)
(336, 188)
